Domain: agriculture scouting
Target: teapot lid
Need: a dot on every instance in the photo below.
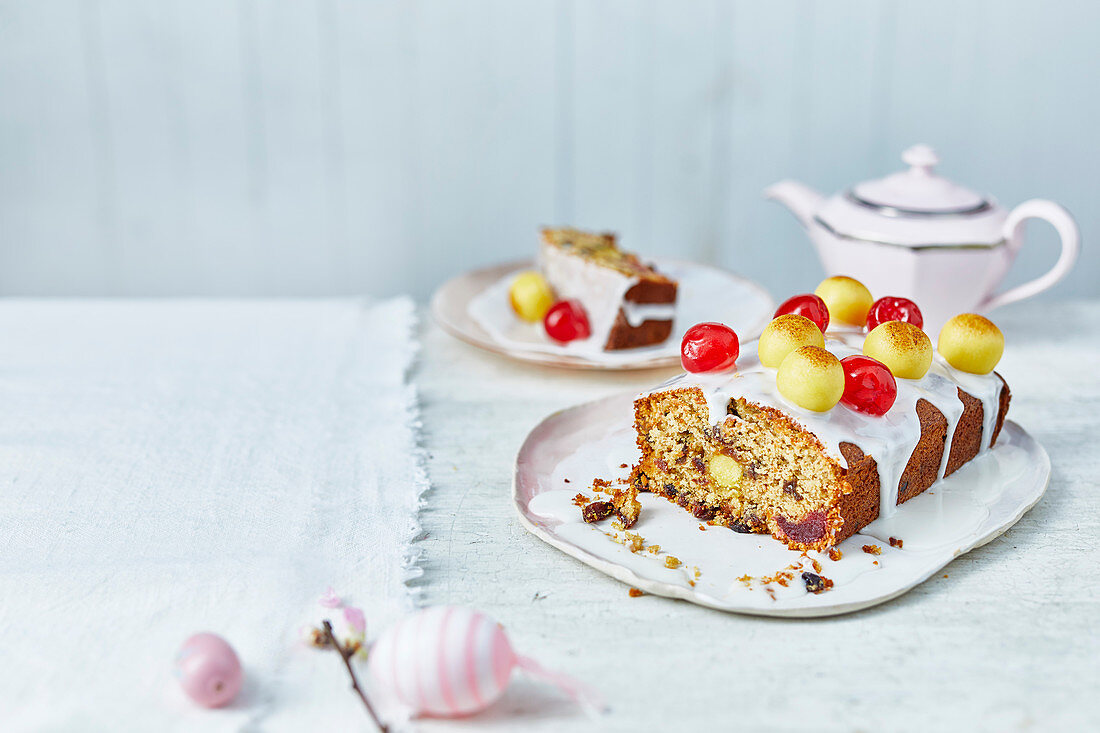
(918, 191)
(915, 209)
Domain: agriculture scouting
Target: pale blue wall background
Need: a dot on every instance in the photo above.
(331, 146)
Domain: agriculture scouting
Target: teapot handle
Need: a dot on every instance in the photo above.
(1063, 222)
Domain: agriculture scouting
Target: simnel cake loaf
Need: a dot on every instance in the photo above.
(628, 303)
(820, 433)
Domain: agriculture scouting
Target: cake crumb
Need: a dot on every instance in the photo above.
(653, 549)
(702, 528)
(816, 564)
(580, 500)
(601, 486)
(672, 562)
(627, 506)
(635, 593)
(636, 542)
(567, 481)
(781, 577)
(835, 554)
(945, 575)
(816, 583)
(691, 583)
(895, 542)
(623, 465)
(874, 562)
(872, 549)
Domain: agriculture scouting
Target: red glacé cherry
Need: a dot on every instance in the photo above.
(869, 386)
(566, 321)
(810, 306)
(894, 309)
(709, 347)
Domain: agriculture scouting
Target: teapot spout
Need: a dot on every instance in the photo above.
(802, 200)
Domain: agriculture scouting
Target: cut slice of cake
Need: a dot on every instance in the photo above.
(628, 303)
(730, 448)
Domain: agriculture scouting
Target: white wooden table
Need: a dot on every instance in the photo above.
(1006, 638)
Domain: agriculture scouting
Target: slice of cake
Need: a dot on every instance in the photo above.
(808, 451)
(628, 303)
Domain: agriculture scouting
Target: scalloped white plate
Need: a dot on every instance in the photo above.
(568, 449)
(474, 308)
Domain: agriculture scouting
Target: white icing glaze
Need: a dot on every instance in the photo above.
(638, 313)
(599, 289)
(889, 439)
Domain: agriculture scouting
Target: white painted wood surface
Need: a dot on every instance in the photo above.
(1007, 641)
(345, 146)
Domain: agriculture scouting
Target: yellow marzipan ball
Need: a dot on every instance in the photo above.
(902, 347)
(724, 471)
(785, 334)
(812, 378)
(848, 299)
(971, 343)
(530, 296)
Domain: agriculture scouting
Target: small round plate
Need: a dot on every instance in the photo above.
(474, 308)
(670, 553)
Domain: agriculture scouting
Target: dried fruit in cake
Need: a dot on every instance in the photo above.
(869, 387)
(784, 335)
(812, 378)
(902, 347)
(709, 347)
(816, 583)
(597, 510)
(971, 343)
(848, 299)
(894, 309)
(808, 305)
(530, 296)
(566, 321)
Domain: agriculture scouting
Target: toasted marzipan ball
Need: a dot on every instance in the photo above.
(905, 349)
(725, 471)
(812, 378)
(530, 296)
(848, 299)
(785, 334)
(971, 343)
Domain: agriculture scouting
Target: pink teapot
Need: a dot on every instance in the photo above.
(918, 235)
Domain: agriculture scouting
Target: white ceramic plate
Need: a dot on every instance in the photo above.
(474, 307)
(568, 449)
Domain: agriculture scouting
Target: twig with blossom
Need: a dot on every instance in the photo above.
(346, 654)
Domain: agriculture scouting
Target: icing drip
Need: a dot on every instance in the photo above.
(889, 439)
(638, 313)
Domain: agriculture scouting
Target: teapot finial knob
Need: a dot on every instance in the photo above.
(921, 157)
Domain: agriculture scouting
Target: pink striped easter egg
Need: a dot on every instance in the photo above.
(443, 661)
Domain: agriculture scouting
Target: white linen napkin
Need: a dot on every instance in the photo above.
(169, 467)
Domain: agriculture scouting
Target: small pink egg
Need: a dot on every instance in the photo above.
(208, 670)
